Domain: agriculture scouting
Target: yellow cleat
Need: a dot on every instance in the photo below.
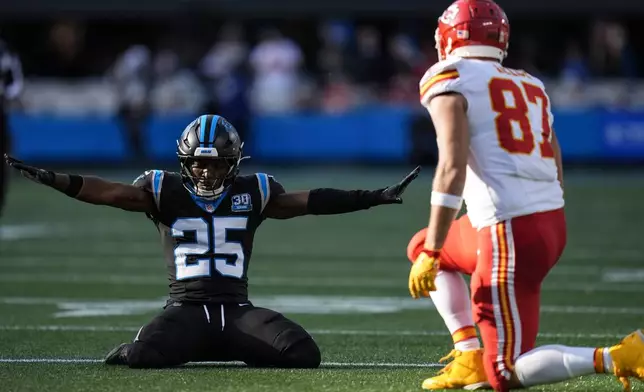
(464, 372)
(628, 358)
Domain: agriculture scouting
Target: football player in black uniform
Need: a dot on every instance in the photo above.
(207, 215)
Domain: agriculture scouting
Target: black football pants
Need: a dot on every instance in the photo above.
(188, 332)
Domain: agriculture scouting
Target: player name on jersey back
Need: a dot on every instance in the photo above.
(511, 168)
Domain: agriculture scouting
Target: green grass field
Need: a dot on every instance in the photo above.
(78, 279)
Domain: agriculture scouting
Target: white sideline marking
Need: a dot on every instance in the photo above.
(22, 232)
(232, 364)
(350, 332)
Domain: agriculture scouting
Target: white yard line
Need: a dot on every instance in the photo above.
(393, 304)
(23, 232)
(633, 275)
(231, 364)
(348, 332)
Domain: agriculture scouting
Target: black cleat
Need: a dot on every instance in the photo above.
(118, 355)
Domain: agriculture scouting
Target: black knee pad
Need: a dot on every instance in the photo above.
(141, 356)
(303, 354)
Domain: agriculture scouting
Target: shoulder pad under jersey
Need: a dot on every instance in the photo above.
(442, 77)
(152, 181)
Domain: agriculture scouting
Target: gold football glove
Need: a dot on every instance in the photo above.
(423, 273)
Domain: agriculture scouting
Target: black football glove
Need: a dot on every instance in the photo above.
(392, 194)
(35, 174)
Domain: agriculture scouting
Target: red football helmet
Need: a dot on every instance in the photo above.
(473, 28)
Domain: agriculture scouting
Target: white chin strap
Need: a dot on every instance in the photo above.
(478, 51)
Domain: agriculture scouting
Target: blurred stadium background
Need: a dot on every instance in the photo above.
(114, 82)
(109, 85)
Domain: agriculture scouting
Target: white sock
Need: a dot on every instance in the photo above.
(608, 362)
(468, 344)
(554, 363)
(452, 300)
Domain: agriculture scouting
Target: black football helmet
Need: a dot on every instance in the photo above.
(209, 140)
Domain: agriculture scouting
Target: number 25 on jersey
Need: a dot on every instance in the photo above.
(212, 241)
(508, 114)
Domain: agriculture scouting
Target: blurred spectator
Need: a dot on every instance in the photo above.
(276, 62)
(368, 66)
(227, 54)
(336, 33)
(332, 61)
(332, 56)
(575, 66)
(403, 89)
(528, 51)
(404, 53)
(428, 57)
(223, 71)
(352, 66)
(175, 89)
(338, 91)
(573, 76)
(405, 57)
(132, 76)
(64, 54)
(338, 94)
(611, 53)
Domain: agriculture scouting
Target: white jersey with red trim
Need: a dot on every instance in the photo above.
(511, 169)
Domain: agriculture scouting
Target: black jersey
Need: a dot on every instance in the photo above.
(208, 244)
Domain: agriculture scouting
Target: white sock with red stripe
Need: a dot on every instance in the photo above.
(452, 300)
(555, 363)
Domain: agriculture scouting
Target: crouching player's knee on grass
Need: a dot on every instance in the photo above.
(186, 333)
(142, 355)
(303, 354)
(139, 355)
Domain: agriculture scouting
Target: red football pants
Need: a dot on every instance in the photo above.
(508, 262)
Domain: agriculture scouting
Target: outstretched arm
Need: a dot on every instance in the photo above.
(327, 201)
(448, 113)
(89, 189)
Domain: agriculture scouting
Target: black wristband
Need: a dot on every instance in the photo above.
(326, 201)
(75, 184)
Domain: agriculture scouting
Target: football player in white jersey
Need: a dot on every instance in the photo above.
(499, 154)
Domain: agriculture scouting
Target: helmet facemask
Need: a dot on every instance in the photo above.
(208, 178)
